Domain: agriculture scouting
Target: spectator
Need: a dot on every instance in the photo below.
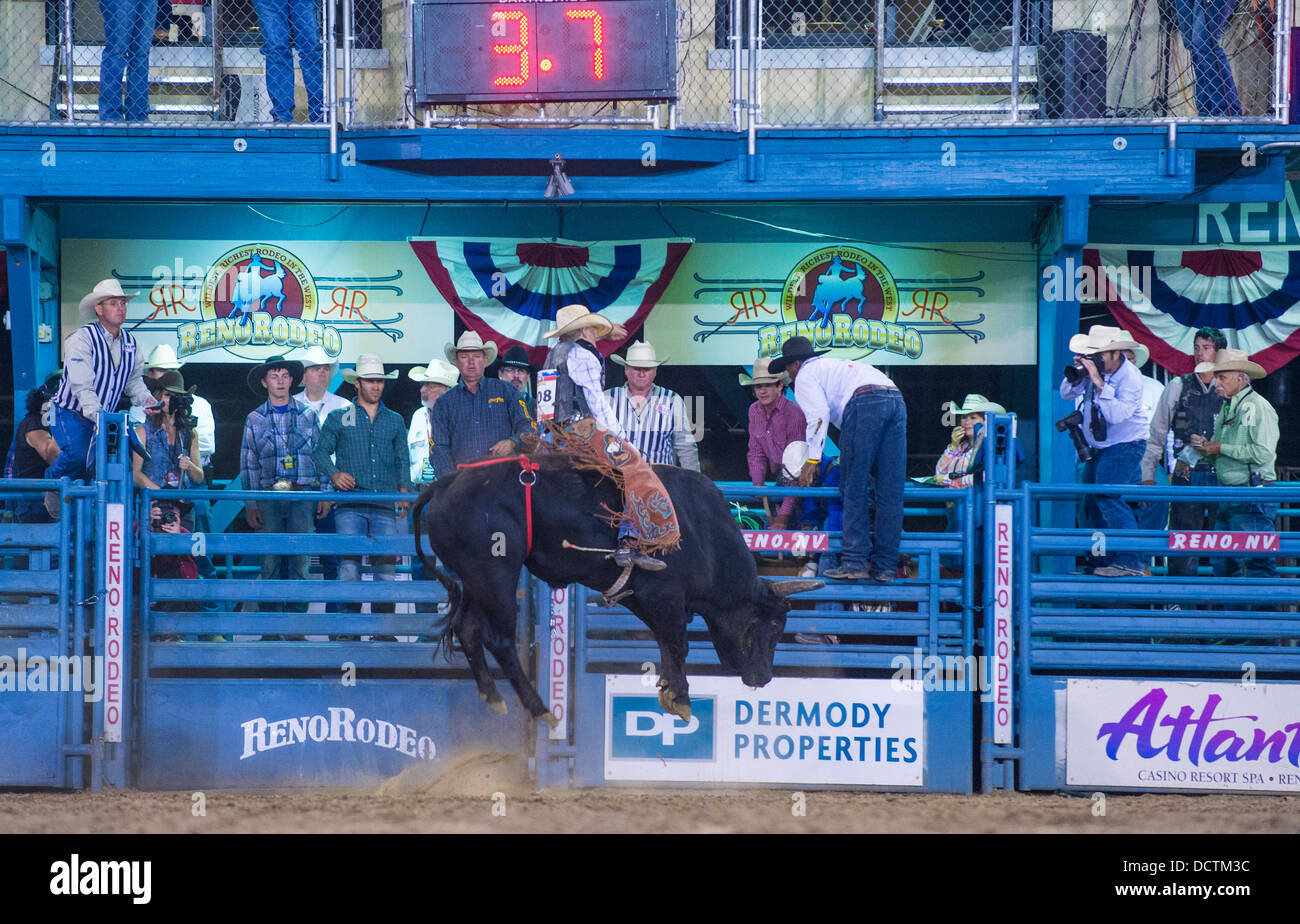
(128, 36)
(515, 370)
(166, 517)
(362, 449)
(774, 423)
(101, 363)
(1244, 448)
(162, 359)
(1108, 391)
(276, 19)
(1202, 23)
(872, 418)
(276, 454)
(1150, 515)
(479, 416)
(434, 380)
(168, 436)
(317, 372)
(652, 417)
(33, 449)
(1187, 408)
(964, 451)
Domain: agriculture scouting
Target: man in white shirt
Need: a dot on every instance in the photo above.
(653, 417)
(868, 409)
(1108, 391)
(434, 380)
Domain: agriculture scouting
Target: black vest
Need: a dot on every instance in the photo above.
(570, 402)
(1194, 412)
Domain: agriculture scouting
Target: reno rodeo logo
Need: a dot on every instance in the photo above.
(841, 298)
(341, 725)
(258, 300)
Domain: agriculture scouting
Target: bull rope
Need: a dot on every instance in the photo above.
(527, 467)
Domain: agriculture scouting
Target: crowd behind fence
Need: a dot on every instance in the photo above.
(735, 64)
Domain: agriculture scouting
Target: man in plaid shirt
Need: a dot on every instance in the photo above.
(276, 455)
(368, 445)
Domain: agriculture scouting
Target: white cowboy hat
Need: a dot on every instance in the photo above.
(575, 317)
(762, 375)
(977, 404)
(793, 458)
(640, 355)
(316, 356)
(443, 373)
(369, 366)
(105, 288)
(470, 340)
(1140, 353)
(1233, 361)
(1101, 338)
(163, 356)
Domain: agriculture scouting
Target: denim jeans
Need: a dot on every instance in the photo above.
(368, 521)
(1202, 23)
(74, 434)
(1254, 518)
(1193, 515)
(873, 442)
(1118, 464)
(128, 36)
(286, 517)
(276, 18)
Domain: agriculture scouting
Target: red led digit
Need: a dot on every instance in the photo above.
(520, 48)
(598, 33)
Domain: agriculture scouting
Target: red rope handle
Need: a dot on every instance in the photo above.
(525, 465)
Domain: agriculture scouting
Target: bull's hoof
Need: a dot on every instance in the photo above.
(497, 705)
(671, 705)
(548, 719)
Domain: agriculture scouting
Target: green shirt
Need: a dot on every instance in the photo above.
(372, 452)
(1247, 432)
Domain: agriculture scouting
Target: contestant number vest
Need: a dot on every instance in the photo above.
(1194, 412)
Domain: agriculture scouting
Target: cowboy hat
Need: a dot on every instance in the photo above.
(793, 350)
(640, 355)
(443, 373)
(162, 357)
(576, 317)
(171, 382)
(316, 356)
(470, 340)
(1233, 361)
(105, 288)
(762, 376)
(1140, 353)
(793, 459)
(369, 366)
(257, 373)
(517, 356)
(1101, 338)
(977, 404)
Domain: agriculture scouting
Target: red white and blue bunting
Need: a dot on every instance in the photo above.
(1165, 294)
(508, 290)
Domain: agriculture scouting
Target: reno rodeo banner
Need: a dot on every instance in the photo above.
(232, 301)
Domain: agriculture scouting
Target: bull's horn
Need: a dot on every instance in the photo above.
(786, 588)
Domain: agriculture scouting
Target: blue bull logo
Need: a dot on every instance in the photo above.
(641, 729)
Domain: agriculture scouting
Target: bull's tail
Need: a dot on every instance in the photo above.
(447, 625)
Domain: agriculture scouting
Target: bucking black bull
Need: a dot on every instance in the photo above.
(477, 526)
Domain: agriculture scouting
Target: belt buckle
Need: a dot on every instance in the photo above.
(284, 484)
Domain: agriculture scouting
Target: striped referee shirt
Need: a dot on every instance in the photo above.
(98, 369)
(658, 428)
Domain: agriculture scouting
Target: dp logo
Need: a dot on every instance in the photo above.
(641, 729)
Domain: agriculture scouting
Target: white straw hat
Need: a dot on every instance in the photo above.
(640, 355)
(575, 317)
(369, 366)
(443, 373)
(163, 356)
(1233, 361)
(762, 375)
(470, 340)
(105, 288)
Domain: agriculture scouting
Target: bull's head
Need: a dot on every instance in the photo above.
(749, 648)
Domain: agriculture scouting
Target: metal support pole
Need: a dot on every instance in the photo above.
(331, 90)
(408, 114)
(218, 65)
(1281, 55)
(878, 66)
(754, 113)
(349, 42)
(737, 85)
(1015, 60)
(68, 93)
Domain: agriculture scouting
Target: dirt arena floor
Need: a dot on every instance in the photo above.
(491, 793)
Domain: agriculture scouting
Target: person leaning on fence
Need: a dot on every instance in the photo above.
(1202, 23)
(276, 455)
(1107, 389)
(774, 423)
(362, 449)
(1244, 449)
(1187, 407)
(33, 450)
(101, 363)
(872, 418)
(276, 19)
(954, 468)
(653, 417)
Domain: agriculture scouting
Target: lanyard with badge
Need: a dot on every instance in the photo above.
(426, 471)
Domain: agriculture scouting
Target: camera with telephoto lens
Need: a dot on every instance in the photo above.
(1074, 374)
(1072, 423)
(164, 515)
(183, 412)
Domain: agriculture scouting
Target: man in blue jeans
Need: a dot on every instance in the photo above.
(1107, 389)
(128, 36)
(872, 418)
(1202, 23)
(286, 24)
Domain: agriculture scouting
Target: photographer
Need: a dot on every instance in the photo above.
(1109, 427)
(168, 436)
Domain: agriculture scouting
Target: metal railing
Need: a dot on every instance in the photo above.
(737, 65)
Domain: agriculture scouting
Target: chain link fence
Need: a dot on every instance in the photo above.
(785, 63)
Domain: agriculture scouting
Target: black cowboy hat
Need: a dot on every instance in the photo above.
(792, 351)
(516, 356)
(257, 373)
(171, 381)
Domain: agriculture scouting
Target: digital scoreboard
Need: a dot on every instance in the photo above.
(544, 50)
